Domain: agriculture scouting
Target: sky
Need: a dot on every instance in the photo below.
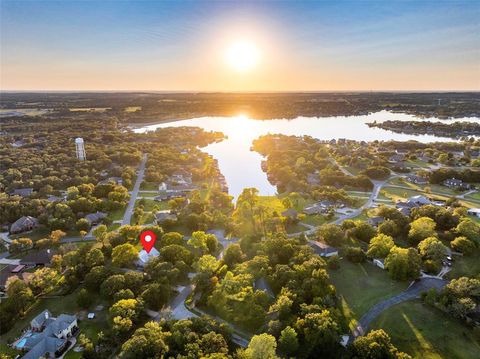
(240, 45)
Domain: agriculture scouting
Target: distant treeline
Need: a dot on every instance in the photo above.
(454, 130)
(156, 107)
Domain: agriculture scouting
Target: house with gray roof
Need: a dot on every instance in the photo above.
(22, 192)
(23, 224)
(323, 249)
(48, 336)
(163, 216)
(95, 218)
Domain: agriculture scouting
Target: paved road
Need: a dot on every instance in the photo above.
(412, 292)
(10, 261)
(133, 195)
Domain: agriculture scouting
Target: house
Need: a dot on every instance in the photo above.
(48, 336)
(51, 198)
(375, 221)
(39, 258)
(419, 200)
(313, 178)
(114, 180)
(323, 249)
(290, 213)
(416, 179)
(379, 262)
(95, 218)
(169, 194)
(22, 192)
(455, 183)
(23, 224)
(163, 216)
(474, 212)
(144, 256)
(396, 158)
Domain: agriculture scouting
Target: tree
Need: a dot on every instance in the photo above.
(203, 241)
(20, 244)
(331, 234)
(249, 198)
(469, 229)
(94, 258)
(42, 280)
(376, 344)
(95, 278)
(207, 264)
(112, 285)
(262, 346)
(172, 238)
(431, 248)
(82, 225)
(463, 245)
(362, 231)
(355, 254)
(84, 298)
(100, 232)
(147, 342)
(233, 255)
(380, 246)
(127, 308)
(124, 255)
(121, 325)
(288, 341)
(156, 295)
(420, 229)
(403, 263)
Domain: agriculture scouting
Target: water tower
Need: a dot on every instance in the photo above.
(80, 149)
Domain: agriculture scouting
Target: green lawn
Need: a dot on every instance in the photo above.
(150, 204)
(465, 266)
(360, 286)
(116, 215)
(147, 186)
(315, 219)
(425, 332)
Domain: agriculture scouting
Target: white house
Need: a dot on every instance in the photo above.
(474, 212)
(144, 257)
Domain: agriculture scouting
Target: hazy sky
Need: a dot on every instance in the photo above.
(182, 46)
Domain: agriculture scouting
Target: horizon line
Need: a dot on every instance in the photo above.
(242, 92)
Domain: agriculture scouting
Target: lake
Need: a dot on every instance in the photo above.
(241, 167)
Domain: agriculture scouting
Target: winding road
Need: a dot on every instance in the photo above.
(412, 292)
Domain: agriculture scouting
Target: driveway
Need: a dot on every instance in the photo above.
(412, 292)
(134, 194)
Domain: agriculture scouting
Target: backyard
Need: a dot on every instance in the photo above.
(425, 332)
(362, 285)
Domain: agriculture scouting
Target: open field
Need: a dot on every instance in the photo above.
(89, 109)
(425, 332)
(360, 286)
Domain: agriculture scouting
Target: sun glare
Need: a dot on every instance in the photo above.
(242, 56)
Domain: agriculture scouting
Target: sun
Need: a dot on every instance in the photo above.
(242, 56)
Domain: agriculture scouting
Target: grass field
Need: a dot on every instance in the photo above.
(465, 266)
(425, 332)
(360, 286)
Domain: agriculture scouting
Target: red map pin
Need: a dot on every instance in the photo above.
(148, 239)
